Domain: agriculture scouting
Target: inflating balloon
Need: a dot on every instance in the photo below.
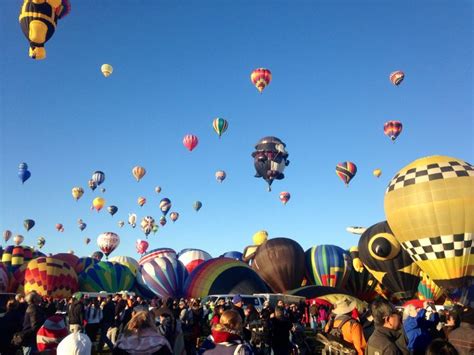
(28, 224)
(127, 261)
(220, 175)
(38, 21)
(197, 205)
(261, 77)
(346, 171)
(174, 216)
(98, 203)
(138, 172)
(108, 242)
(429, 205)
(270, 159)
(220, 125)
(360, 283)
(77, 193)
(141, 201)
(106, 276)
(284, 197)
(190, 141)
(428, 290)
(392, 129)
(165, 205)
(397, 77)
(106, 70)
(191, 258)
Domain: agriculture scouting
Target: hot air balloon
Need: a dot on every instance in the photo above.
(132, 219)
(220, 175)
(327, 265)
(270, 159)
(197, 205)
(106, 70)
(141, 201)
(50, 277)
(377, 172)
(360, 284)
(346, 171)
(15, 256)
(98, 177)
(220, 125)
(112, 210)
(429, 205)
(162, 221)
(3, 278)
(279, 262)
(23, 172)
(191, 258)
(102, 189)
(68, 258)
(92, 184)
(18, 239)
(190, 141)
(77, 193)
(223, 276)
(141, 246)
(87, 240)
(106, 276)
(28, 224)
(38, 21)
(237, 255)
(82, 225)
(356, 230)
(7, 235)
(121, 223)
(261, 77)
(159, 252)
(158, 189)
(383, 256)
(174, 216)
(155, 229)
(138, 172)
(284, 197)
(164, 276)
(108, 242)
(41, 242)
(397, 77)
(59, 227)
(98, 203)
(147, 224)
(165, 205)
(260, 237)
(97, 255)
(127, 261)
(392, 129)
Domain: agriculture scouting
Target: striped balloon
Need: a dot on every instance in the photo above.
(84, 263)
(261, 77)
(51, 333)
(164, 276)
(346, 171)
(397, 77)
(106, 276)
(98, 177)
(327, 265)
(157, 253)
(3, 278)
(127, 261)
(50, 277)
(193, 257)
(220, 125)
(428, 290)
(68, 258)
(392, 129)
(15, 256)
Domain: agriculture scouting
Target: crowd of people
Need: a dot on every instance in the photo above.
(125, 324)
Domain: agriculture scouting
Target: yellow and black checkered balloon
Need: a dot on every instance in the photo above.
(429, 205)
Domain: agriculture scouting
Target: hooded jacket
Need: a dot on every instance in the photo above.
(222, 342)
(386, 341)
(145, 342)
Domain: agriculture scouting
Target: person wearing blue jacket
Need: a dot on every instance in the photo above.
(417, 327)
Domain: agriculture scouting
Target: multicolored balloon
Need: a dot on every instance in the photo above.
(346, 171)
(98, 203)
(77, 193)
(220, 125)
(147, 224)
(261, 78)
(397, 77)
(18, 239)
(127, 261)
(97, 255)
(138, 172)
(141, 201)
(284, 197)
(162, 221)
(165, 205)
(174, 216)
(28, 224)
(92, 184)
(190, 141)
(392, 129)
(220, 175)
(112, 210)
(141, 246)
(41, 242)
(197, 205)
(191, 258)
(327, 265)
(428, 290)
(106, 276)
(98, 177)
(108, 242)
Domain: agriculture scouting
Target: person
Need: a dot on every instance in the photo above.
(218, 310)
(140, 336)
(93, 316)
(453, 321)
(462, 338)
(280, 332)
(167, 323)
(251, 314)
(322, 316)
(441, 347)
(388, 337)
(10, 323)
(417, 327)
(350, 329)
(108, 318)
(237, 303)
(313, 314)
(75, 343)
(34, 319)
(76, 313)
(226, 337)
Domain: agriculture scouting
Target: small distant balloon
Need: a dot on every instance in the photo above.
(220, 175)
(98, 177)
(285, 197)
(102, 190)
(147, 225)
(132, 219)
(261, 77)
(138, 172)
(197, 205)
(260, 237)
(98, 203)
(162, 221)
(141, 201)
(190, 141)
(165, 205)
(41, 242)
(112, 210)
(28, 224)
(106, 70)
(121, 223)
(392, 129)
(377, 172)
(346, 171)
(92, 184)
(23, 172)
(7, 235)
(158, 189)
(397, 77)
(87, 240)
(141, 246)
(77, 193)
(174, 216)
(82, 226)
(220, 125)
(155, 229)
(59, 227)
(18, 239)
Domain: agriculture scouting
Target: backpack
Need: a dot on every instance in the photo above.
(335, 342)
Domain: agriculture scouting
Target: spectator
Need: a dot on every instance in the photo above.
(388, 337)
(462, 338)
(34, 319)
(93, 316)
(10, 323)
(313, 316)
(108, 319)
(237, 304)
(218, 310)
(280, 332)
(417, 328)
(251, 314)
(76, 313)
(441, 347)
(453, 320)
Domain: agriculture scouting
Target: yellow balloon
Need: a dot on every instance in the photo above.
(377, 172)
(98, 203)
(260, 237)
(106, 69)
(429, 206)
(77, 192)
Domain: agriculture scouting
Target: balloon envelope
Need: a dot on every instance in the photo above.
(106, 276)
(108, 242)
(191, 258)
(328, 265)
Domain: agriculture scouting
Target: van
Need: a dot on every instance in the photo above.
(256, 301)
(273, 298)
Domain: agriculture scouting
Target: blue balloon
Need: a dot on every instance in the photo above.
(233, 255)
(23, 166)
(24, 175)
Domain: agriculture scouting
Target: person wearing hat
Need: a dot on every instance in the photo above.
(462, 338)
(237, 304)
(388, 336)
(76, 313)
(352, 333)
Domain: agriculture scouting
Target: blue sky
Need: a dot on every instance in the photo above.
(179, 64)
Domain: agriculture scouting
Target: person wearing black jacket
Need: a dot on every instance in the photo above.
(280, 328)
(108, 318)
(34, 319)
(76, 313)
(10, 323)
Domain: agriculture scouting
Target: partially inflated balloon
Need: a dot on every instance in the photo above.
(261, 77)
(260, 237)
(392, 129)
(165, 205)
(190, 141)
(127, 261)
(108, 242)
(28, 224)
(429, 205)
(220, 125)
(327, 265)
(174, 216)
(191, 258)
(98, 203)
(138, 172)
(141, 201)
(112, 210)
(106, 70)
(197, 205)
(77, 193)
(397, 77)
(346, 171)
(428, 290)
(68, 258)
(106, 276)
(377, 172)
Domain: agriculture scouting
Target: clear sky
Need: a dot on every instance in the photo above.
(179, 64)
